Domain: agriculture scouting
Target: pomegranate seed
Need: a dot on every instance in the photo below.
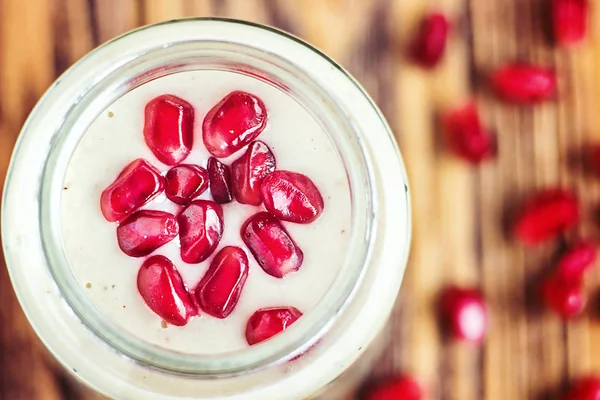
(464, 313)
(233, 123)
(585, 388)
(220, 181)
(272, 246)
(200, 230)
(569, 20)
(524, 83)
(576, 261)
(429, 44)
(465, 135)
(169, 128)
(136, 185)
(564, 297)
(185, 182)
(398, 388)
(145, 231)
(545, 215)
(291, 197)
(162, 289)
(220, 289)
(268, 322)
(249, 170)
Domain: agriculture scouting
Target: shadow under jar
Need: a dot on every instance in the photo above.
(304, 360)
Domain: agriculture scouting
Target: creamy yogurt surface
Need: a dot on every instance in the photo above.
(108, 275)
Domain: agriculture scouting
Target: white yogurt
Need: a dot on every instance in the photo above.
(109, 276)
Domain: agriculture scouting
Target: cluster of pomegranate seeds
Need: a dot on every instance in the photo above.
(268, 322)
(398, 388)
(584, 388)
(464, 313)
(569, 20)
(465, 135)
(429, 43)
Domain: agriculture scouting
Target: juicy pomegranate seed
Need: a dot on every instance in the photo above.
(577, 260)
(291, 197)
(169, 128)
(162, 289)
(233, 123)
(569, 20)
(200, 230)
(137, 184)
(272, 246)
(429, 44)
(464, 313)
(220, 289)
(465, 135)
(268, 322)
(220, 181)
(564, 297)
(399, 388)
(585, 388)
(523, 83)
(185, 182)
(546, 215)
(249, 170)
(145, 231)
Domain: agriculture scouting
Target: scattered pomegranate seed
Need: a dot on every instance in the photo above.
(577, 260)
(524, 83)
(545, 215)
(272, 246)
(137, 184)
(162, 289)
(569, 20)
(585, 388)
(185, 182)
(220, 181)
(465, 135)
(291, 197)
(398, 388)
(565, 297)
(464, 313)
(146, 231)
(220, 289)
(169, 128)
(429, 44)
(249, 170)
(233, 123)
(268, 322)
(200, 230)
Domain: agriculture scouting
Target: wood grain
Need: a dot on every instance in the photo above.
(458, 210)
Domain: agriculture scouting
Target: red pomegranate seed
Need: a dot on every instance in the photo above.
(577, 260)
(464, 313)
(272, 246)
(291, 197)
(136, 185)
(146, 231)
(233, 123)
(585, 388)
(268, 322)
(220, 181)
(200, 230)
(524, 83)
(163, 290)
(564, 297)
(169, 128)
(249, 170)
(569, 20)
(465, 135)
(429, 44)
(545, 215)
(185, 182)
(398, 388)
(219, 290)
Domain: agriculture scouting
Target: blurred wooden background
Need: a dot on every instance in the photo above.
(458, 209)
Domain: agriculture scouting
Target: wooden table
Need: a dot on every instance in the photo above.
(458, 209)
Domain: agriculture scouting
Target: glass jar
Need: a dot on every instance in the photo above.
(296, 364)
